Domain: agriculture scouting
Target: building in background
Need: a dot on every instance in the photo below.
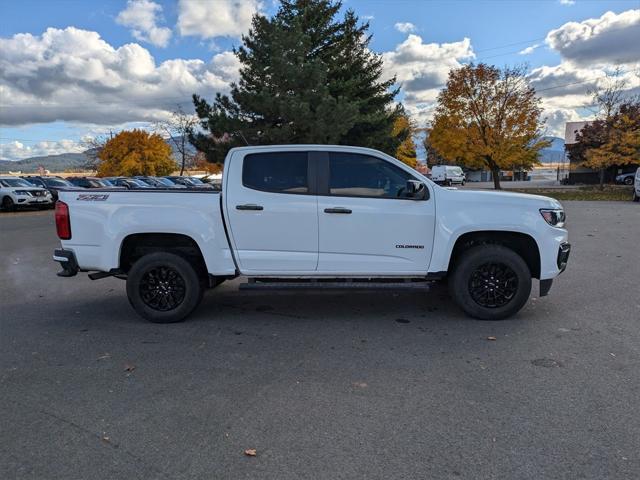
(581, 174)
(577, 173)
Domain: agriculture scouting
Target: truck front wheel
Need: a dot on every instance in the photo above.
(490, 282)
(163, 287)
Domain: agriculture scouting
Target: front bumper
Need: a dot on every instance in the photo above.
(33, 201)
(68, 262)
(563, 257)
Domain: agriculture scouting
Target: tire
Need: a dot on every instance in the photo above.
(8, 204)
(628, 181)
(164, 271)
(636, 198)
(471, 284)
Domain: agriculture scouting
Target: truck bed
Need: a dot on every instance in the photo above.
(102, 218)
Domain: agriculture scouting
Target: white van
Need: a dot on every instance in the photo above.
(447, 174)
(636, 186)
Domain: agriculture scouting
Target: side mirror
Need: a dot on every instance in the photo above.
(416, 190)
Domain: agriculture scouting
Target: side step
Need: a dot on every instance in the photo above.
(336, 284)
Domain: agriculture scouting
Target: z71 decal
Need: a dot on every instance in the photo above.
(93, 197)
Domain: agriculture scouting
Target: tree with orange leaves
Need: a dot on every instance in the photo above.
(488, 117)
(135, 152)
(404, 128)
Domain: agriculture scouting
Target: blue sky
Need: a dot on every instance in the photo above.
(420, 41)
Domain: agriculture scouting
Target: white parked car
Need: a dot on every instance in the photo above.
(636, 186)
(16, 192)
(311, 215)
(447, 175)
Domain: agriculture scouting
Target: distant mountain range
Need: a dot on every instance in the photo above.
(554, 153)
(53, 163)
(63, 162)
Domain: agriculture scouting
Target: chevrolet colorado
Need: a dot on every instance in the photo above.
(314, 215)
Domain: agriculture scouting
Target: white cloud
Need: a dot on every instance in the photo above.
(565, 84)
(568, 86)
(556, 119)
(610, 39)
(405, 27)
(222, 18)
(16, 150)
(142, 17)
(74, 75)
(422, 70)
(529, 50)
(567, 2)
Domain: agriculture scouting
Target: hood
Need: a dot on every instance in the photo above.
(501, 198)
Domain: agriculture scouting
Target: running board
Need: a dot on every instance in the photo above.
(333, 284)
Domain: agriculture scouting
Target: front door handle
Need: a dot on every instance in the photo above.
(249, 206)
(337, 210)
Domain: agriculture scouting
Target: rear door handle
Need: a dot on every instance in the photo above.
(249, 206)
(337, 210)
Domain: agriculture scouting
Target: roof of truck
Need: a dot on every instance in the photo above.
(304, 146)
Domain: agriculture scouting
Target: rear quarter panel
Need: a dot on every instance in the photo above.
(101, 220)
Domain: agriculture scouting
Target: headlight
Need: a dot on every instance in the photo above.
(553, 216)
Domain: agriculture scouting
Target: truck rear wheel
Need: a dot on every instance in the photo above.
(490, 282)
(164, 287)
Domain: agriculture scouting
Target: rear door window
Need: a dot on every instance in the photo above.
(278, 172)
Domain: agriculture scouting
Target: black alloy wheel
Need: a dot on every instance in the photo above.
(162, 288)
(490, 282)
(493, 285)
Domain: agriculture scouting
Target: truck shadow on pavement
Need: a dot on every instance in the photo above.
(260, 314)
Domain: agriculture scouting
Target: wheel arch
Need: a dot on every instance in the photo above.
(521, 243)
(136, 245)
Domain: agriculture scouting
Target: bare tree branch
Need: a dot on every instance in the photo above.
(177, 129)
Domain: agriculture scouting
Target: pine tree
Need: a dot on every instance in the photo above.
(306, 77)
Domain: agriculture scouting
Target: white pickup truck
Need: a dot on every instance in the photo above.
(319, 216)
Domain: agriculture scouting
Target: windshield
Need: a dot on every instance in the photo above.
(15, 182)
(138, 182)
(148, 180)
(166, 182)
(105, 182)
(183, 181)
(196, 181)
(57, 182)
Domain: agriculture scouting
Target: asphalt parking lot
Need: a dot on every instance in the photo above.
(324, 385)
